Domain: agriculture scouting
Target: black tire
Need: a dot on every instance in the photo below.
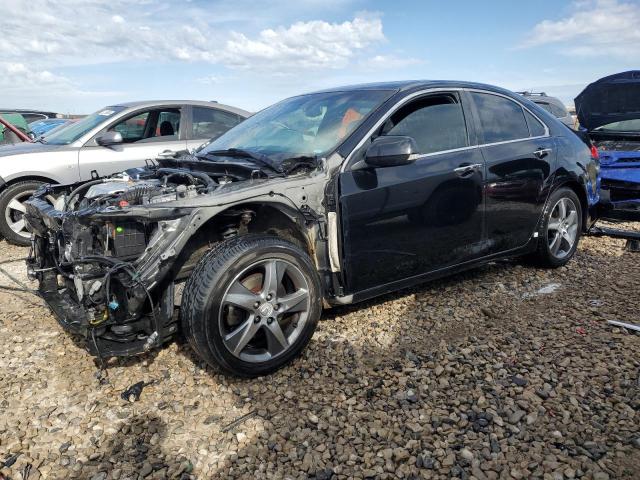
(543, 256)
(19, 191)
(202, 302)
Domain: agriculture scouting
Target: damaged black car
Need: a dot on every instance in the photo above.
(323, 199)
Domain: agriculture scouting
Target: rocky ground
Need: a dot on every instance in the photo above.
(504, 372)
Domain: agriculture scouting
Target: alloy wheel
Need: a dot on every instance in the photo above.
(14, 213)
(562, 228)
(264, 310)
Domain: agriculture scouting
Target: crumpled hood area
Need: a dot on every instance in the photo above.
(611, 99)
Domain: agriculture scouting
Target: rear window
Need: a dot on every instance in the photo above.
(558, 111)
(210, 123)
(536, 129)
(501, 119)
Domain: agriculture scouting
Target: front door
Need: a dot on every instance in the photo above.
(145, 133)
(519, 154)
(403, 221)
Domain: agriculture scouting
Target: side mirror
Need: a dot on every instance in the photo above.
(391, 151)
(109, 138)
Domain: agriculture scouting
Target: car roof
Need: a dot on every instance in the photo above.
(541, 97)
(407, 85)
(197, 103)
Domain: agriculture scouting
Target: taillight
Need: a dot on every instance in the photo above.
(594, 152)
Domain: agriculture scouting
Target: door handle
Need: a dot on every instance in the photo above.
(542, 152)
(466, 170)
(166, 154)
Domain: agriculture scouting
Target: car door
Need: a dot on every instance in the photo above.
(519, 155)
(146, 133)
(209, 123)
(403, 221)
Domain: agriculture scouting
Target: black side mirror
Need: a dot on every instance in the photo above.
(391, 151)
(109, 138)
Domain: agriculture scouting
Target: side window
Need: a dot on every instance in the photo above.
(546, 106)
(210, 123)
(558, 111)
(132, 129)
(160, 125)
(536, 129)
(436, 123)
(168, 123)
(501, 119)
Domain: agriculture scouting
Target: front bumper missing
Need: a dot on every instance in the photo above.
(145, 316)
(113, 340)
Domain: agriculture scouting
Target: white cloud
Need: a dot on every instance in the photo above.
(390, 61)
(314, 44)
(18, 76)
(210, 80)
(595, 28)
(76, 32)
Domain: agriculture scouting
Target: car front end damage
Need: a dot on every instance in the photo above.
(111, 254)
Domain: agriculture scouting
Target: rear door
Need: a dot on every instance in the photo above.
(146, 133)
(519, 156)
(208, 123)
(403, 221)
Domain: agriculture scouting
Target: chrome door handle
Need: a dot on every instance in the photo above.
(466, 170)
(542, 152)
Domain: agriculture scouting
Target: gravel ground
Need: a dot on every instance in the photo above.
(504, 372)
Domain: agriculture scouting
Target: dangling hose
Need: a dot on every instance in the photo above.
(77, 190)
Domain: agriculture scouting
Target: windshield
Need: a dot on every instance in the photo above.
(305, 126)
(622, 126)
(74, 131)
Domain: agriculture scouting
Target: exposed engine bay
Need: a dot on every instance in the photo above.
(110, 253)
(618, 145)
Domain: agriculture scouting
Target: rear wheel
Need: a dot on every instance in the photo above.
(251, 305)
(560, 231)
(12, 209)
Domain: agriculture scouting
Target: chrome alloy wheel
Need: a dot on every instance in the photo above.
(562, 228)
(14, 213)
(264, 309)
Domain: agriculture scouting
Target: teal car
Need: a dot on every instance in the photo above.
(18, 121)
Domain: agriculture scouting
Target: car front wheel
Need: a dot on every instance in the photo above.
(251, 305)
(12, 224)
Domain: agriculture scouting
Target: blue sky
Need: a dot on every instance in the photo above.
(78, 55)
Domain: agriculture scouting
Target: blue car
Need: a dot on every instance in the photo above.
(41, 127)
(609, 112)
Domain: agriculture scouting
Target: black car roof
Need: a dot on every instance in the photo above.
(408, 85)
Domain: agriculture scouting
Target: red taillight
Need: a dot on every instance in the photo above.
(594, 152)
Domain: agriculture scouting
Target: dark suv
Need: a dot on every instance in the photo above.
(322, 199)
(552, 105)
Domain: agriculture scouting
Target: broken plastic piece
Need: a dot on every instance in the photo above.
(132, 394)
(629, 326)
(151, 341)
(10, 460)
(113, 304)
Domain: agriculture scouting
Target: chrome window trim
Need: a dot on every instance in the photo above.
(419, 156)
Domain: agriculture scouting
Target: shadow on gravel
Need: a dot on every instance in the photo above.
(437, 388)
(135, 450)
(346, 398)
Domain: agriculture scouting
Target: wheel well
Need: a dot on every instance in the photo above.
(582, 196)
(240, 220)
(28, 178)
